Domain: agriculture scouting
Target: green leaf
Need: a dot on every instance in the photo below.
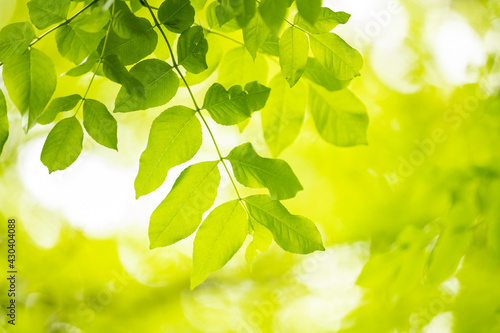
(4, 122)
(218, 239)
(30, 80)
(57, 105)
(100, 124)
(14, 40)
(214, 22)
(85, 67)
(283, 115)
(125, 24)
(340, 117)
(262, 239)
(254, 171)
(293, 233)
(160, 85)
(180, 213)
(93, 20)
(293, 48)
(233, 106)
(213, 57)
(192, 49)
(132, 50)
(316, 73)
(198, 4)
(223, 12)
(63, 145)
(243, 10)
(309, 9)
(238, 67)
(76, 44)
(116, 72)
(273, 13)
(44, 13)
(176, 15)
(271, 46)
(255, 34)
(327, 20)
(175, 137)
(338, 58)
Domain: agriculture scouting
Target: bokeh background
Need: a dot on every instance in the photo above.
(410, 222)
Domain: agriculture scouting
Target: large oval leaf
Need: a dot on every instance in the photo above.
(100, 124)
(294, 48)
(14, 40)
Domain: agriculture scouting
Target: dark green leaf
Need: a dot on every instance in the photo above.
(125, 23)
(273, 13)
(243, 10)
(116, 72)
(292, 233)
(309, 9)
(338, 58)
(30, 80)
(192, 49)
(175, 137)
(176, 15)
(14, 40)
(294, 48)
(233, 106)
(254, 171)
(57, 105)
(326, 21)
(4, 122)
(44, 13)
(160, 85)
(180, 213)
(63, 145)
(340, 117)
(218, 239)
(134, 49)
(100, 124)
(283, 115)
(77, 44)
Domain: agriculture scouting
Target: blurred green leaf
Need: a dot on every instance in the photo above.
(255, 34)
(4, 122)
(273, 13)
(293, 48)
(316, 73)
(309, 9)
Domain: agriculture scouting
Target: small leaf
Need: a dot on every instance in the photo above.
(326, 21)
(45, 13)
(223, 12)
(273, 13)
(4, 122)
(175, 137)
(233, 106)
(133, 50)
(316, 73)
(338, 58)
(262, 239)
(160, 85)
(93, 20)
(238, 67)
(116, 72)
(243, 10)
(176, 15)
(84, 67)
(57, 105)
(218, 239)
(283, 115)
(340, 117)
(254, 171)
(180, 213)
(14, 40)
(192, 49)
(293, 233)
(309, 9)
(30, 80)
(76, 44)
(213, 57)
(255, 34)
(63, 145)
(100, 124)
(293, 48)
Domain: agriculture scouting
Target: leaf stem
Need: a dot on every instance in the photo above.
(210, 31)
(198, 110)
(99, 62)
